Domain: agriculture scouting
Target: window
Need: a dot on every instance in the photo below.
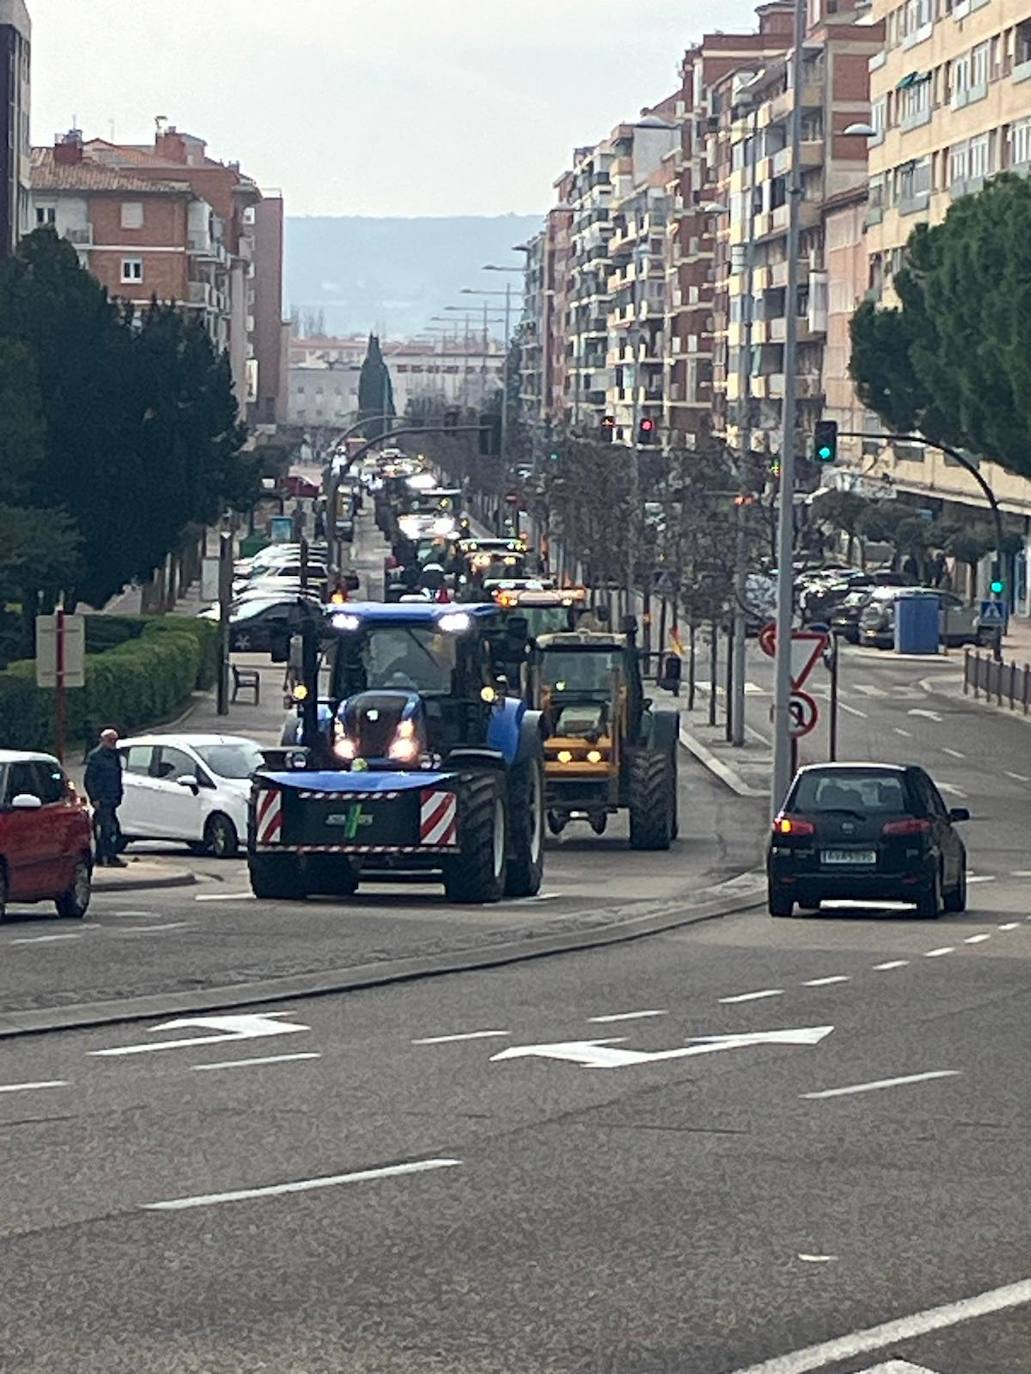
(878, 116)
(46, 214)
(132, 214)
(136, 759)
(170, 764)
(132, 269)
(979, 156)
(1020, 143)
(22, 781)
(979, 66)
(959, 163)
(915, 100)
(51, 784)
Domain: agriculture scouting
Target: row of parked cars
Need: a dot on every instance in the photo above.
(860, 606)
(191, 788)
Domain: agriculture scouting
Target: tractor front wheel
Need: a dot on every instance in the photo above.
(478, 873)
(653, 800)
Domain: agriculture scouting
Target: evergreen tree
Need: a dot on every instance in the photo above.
(375, 392)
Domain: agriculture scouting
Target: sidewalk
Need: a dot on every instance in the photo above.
(745, 769)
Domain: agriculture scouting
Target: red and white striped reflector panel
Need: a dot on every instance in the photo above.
(269, 816)
(438, 818)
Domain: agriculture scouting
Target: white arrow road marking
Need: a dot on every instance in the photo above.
(897, 1367)
(875, 1338)
(1010, 925)
(598, 1054)
(306, 1185)
(881, 1083)
(928, 715)
(248, 1027)
(867, 690)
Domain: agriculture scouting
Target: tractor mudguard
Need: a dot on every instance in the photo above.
(531, 735)
(660, 730)
(504, 729)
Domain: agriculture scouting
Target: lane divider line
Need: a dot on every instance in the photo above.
(245, 1063)
(305, 1185)
(753, 996)
(877, 1084)
(937, 953)
(826, 982)
(626, 1016)
(31, 1087)
(893, 963)
(464, 1035)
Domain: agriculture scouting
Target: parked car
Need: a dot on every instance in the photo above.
(256, 619)
(870, 832)
(188, 787)
(46, 838)
(282, 573)
(961, 624)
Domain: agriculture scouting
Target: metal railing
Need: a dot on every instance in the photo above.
(1006, 684)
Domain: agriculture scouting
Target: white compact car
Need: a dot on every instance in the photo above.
(188, 787)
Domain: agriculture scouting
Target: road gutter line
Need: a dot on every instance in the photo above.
(880, 1083)
(306, 1185)
(875, 1338)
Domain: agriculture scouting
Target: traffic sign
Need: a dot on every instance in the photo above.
(993, 613)
(664, 583)
(814, 641)
(803, 714)
(60, 641)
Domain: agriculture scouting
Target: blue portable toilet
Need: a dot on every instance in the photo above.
(917, 624)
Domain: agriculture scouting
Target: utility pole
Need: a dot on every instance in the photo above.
(782, 739)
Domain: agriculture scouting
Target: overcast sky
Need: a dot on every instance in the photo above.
(394, 107)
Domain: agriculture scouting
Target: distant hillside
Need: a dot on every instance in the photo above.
(393, 274)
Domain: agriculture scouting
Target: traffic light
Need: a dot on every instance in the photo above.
(608, 424)
(825, 441)
(490, 435)
(646, 431)
(997, 585)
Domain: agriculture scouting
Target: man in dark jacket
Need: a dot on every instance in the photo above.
(103, 782)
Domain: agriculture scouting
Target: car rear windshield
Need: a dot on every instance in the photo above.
(864, 792)
(231, 760)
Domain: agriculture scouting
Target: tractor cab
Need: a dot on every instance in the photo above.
(547, 609)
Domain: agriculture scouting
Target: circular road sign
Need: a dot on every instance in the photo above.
(803, 714)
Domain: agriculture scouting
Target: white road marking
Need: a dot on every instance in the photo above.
(875, 1338)
(753, 996)
(306, 1185)
(955, 753)
(44, 939)
(265, 1059)
(1010, 925)
(892, 963)
(897, 1367)
(627, 1016)
(867, 690)
(852, 710)
(1018, 777)
(31, 1087)
(928, 715)
(1021, 873)
(879, 1083)
(980, 877)
(146, 930)
(950, 789)
(250, 1026)
(937, 953)
(224, 897)
(976, 939)
(818, 1259)
(466, 1035)
(907, 733)
(599, 1054)
(826, 982)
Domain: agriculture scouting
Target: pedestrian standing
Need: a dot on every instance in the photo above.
(103, 783)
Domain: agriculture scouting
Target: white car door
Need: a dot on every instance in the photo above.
(136, 813)
(178, 810)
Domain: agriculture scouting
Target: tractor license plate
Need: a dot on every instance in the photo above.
(862, 857)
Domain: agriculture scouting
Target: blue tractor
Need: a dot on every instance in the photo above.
(419, 762)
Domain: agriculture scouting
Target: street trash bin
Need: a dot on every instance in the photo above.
(917, 624)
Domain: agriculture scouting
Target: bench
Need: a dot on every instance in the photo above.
(246, 680)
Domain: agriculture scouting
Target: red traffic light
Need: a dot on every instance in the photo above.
(647, 426)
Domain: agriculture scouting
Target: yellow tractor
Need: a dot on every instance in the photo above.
(606, 749)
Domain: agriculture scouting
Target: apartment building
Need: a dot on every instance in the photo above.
(951, 102)
(15, 149)
(834, 95)
(544, 324)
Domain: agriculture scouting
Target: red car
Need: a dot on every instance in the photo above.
(296, 485)
(46, 838)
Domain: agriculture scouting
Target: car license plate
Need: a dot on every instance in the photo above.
(848, 856)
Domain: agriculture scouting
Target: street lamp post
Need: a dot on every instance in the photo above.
(783, 750)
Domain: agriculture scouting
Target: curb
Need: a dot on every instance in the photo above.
(182, 879)
(741, 893)
(720, 770)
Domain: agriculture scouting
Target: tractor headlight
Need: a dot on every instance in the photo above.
(404, 747)
(564, 756)
(594, 756)
(343, 746)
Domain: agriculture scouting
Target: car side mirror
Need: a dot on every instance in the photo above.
(959, 813)
(25, 801)
(189, 780)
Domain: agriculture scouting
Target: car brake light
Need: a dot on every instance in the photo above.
(791, 825)
(910, 826)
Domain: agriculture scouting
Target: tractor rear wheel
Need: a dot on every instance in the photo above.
(526, 827)
(276, 877)
(478, 873)
(653, 798)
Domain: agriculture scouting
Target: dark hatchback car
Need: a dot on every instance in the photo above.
(866, 832)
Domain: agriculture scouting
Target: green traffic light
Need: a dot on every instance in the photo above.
(824, 454)
(997, 586)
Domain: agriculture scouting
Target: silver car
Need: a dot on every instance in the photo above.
(961, 624)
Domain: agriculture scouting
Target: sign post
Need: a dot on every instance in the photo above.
(60, 663)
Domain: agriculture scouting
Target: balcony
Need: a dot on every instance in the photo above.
(780, 106)
(810, 155)
(201, 294)
(81, 235)
(768, 387)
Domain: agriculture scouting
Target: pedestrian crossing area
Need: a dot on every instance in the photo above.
(854, 690)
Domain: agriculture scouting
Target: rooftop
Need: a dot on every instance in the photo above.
(87, 175)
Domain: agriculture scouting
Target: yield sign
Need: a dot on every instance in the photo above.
(813, 642)
(600, 1054)
(249, 1027)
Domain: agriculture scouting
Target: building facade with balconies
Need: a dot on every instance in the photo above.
(15, 149)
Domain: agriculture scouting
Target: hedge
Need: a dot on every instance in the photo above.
(139, 682)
